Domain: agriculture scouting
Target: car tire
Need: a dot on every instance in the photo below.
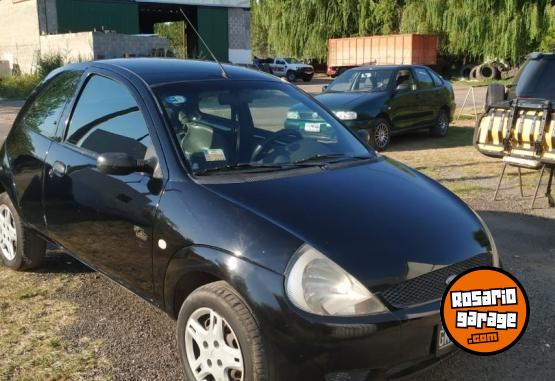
(380, 134)
(291, 76)
(441, 128)
(20, 248)
(219, 302)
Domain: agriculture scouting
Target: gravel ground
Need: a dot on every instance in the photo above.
(139, 339)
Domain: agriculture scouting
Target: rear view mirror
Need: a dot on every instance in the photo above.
(324, 88)
(121, 164)
(402, 87)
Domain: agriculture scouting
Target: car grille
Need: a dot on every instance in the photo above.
(431, 286)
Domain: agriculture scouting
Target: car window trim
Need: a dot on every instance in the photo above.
(135, 93)
(35, 95)
(418, 82)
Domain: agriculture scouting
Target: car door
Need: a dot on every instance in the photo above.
(105, 220)
(278, 68)
(403, 105)
(428, 96)
(30, 139)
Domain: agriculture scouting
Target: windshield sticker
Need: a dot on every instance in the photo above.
(312, 127)
(214, 154)
(176, 100)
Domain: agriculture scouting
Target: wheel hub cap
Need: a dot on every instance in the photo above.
(8, 233)
(382, 135)
(213, 351)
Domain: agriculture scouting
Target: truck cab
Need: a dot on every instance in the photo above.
(291, 69)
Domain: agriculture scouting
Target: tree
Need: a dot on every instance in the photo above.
(477, 29)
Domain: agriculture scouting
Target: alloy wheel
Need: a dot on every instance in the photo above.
(8, 233)
(381, 135)
(213, 351)
(443, 122)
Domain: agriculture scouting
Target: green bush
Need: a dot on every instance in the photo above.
(18, 87)
(49, 62)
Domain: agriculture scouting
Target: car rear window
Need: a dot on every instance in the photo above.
(536, 79)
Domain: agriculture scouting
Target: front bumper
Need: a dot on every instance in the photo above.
(307, 347)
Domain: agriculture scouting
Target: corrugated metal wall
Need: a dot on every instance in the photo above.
(213, 27)
(86, 15)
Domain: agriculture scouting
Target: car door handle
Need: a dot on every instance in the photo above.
(58, 169)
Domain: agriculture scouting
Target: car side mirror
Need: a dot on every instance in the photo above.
(402, 87)
(363, 135)
(122, 164)
(324, 88)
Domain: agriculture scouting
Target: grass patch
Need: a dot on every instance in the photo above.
(31, 344)
(18, 87)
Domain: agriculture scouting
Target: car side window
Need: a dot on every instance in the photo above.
(280, 62)
(43, 115)
(423, 78)
(108, 119)
(436, 78)
(404, 77)
(209, 103)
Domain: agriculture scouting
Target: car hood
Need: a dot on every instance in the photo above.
(381, 221)
(348, 101)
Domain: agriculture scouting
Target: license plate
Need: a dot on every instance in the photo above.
(312, 127)
(443, 341)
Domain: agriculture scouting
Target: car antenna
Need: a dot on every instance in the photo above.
(224, 74)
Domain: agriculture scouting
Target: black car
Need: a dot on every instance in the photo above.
(534, 80)
(389, 100)
(282, 256)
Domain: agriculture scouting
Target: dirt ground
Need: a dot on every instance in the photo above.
(108, 333)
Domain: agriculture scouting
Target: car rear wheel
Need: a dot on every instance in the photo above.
(20, 248)
(291, 76)
(442, 124)
(218, 337)
(380, 134)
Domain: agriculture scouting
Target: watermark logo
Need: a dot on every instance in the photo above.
(485, 310)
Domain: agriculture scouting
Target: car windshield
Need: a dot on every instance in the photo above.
(291, 60)
(224, 125)
(370, 80)
(535, 80)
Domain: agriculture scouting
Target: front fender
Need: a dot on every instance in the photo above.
(197, 265)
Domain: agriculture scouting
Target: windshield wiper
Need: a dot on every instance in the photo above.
(323, 159)
(243, 166)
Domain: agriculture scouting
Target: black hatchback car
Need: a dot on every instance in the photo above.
(389, 100)
(283, 255)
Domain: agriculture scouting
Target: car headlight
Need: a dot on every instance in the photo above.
(346, 115)
(293, 115)
(318, 285)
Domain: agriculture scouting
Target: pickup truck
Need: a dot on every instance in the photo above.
(290, 68)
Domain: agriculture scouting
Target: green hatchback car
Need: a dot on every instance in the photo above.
(389, 100)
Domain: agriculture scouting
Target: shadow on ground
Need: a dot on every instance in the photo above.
(421, 140)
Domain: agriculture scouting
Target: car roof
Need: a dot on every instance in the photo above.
(384, 67)
(155, 71)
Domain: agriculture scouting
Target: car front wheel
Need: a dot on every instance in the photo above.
(291, 76)
(20, 248)
(380, 134)
(218, 337)
(442, 125)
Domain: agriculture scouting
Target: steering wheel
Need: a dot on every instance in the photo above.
(287, 135)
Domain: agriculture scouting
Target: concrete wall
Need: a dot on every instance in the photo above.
(86, 46)
(19, 33)
(115, 45)
(239, 35)
(73, 46)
